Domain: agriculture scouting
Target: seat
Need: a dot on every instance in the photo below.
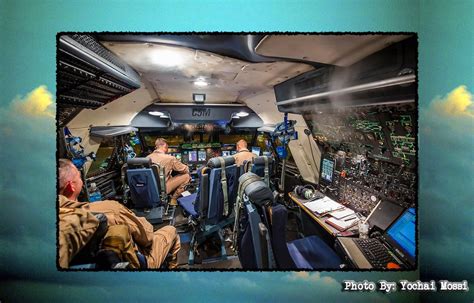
(265, 246)
(211, 207)
(86, 257)
(253, 239)
(145, 182)
(306, 253)
(262, 166)
(255, 248)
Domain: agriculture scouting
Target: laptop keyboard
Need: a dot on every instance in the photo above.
(375, 252)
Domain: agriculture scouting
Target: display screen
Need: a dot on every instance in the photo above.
(201, 156)
(256, 150)
(177, 156)
(192, 156)
(327, 170)
(403, 232)
(233, 152)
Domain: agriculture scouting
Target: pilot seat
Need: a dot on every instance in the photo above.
(145, 182)
(261, 166)
(261, 240)
(211, 207)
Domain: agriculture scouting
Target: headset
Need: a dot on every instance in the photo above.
(305, 192)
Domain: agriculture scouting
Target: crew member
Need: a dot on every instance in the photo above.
(243, 153)
(77, 223)
(177, 173)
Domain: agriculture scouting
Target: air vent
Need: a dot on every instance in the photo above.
(385, 77)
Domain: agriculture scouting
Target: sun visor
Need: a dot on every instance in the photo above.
(111, 131)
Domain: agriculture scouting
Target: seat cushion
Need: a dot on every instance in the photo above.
(312, 253)
(187, 203)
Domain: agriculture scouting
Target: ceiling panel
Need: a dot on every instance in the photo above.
(341, 50)
(172, 70)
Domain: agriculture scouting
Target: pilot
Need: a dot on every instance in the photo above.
(177, 173)
(77, 223)
(243, 153)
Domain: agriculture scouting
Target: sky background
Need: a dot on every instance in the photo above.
(27, 133)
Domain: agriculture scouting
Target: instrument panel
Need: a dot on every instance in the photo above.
(369, 154)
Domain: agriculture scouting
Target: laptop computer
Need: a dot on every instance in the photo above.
(397, 245)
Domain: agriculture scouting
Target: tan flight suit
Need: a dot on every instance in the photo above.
(243, 155)
(154, 245)
(77, 225)
(174, 184)
(74, 233)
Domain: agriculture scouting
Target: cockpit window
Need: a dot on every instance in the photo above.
(232, 139)
(103, 157)
(171, 139)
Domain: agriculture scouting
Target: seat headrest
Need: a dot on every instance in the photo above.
(216, 163)
(261, 160)
(248, 175)
(139, 162)
(257, 191)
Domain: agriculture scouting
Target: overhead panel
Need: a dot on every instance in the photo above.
(89, 75)
(177, 115)
(339, 50)
(385, 77)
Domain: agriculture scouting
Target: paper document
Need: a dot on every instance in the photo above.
(185, 193)
(339, 214)
(342, 225)
(323, 205)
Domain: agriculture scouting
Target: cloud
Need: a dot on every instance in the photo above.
(243, 282)
(458, 102)
(39, 102)
(446, 179)
(184, 276)
(304, 276)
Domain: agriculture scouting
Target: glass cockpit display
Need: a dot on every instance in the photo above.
(327, 170)
(256, 150)
(192, 156)
(201, 156)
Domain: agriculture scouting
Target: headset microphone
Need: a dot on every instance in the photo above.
(304, 192)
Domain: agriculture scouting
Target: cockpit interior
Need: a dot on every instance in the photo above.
(329, 123)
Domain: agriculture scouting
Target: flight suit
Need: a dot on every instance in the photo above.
(74, 233)
(154, 245)
(77, 225)
(242, 156)
(174, 184)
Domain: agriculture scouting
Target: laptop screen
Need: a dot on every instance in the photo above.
(402, 232)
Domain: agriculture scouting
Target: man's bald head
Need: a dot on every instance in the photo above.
(161, 145)
(69, 179)
(241, 144)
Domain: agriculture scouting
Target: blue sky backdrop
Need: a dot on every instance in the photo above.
(27, 132)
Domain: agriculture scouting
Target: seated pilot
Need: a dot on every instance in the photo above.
(243, 153)
(177, 173)
(77, 223)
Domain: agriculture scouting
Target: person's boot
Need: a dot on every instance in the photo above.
(173, 262)
(173, 202)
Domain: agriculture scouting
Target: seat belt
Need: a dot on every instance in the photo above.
(248, 166)
(240, 205)
(162, 179)
(266, 176)
(224, 187)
